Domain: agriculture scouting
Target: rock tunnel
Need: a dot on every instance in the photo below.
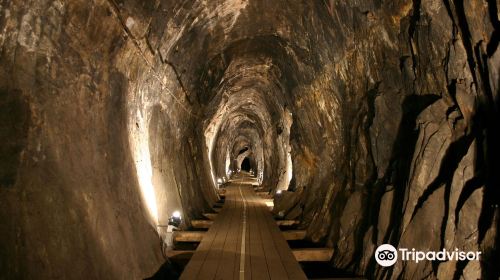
(377, 121)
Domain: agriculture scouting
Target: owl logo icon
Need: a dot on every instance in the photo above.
(386, 255)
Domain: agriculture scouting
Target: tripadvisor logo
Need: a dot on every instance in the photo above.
(387, 255)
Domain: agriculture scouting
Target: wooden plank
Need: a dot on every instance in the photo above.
(273, 259)
(236, 267)
(210, 216)
(265, 195)
(293, 268)
(180, 253)
(228, 262)
(287, 222)
(212, 260)
(221, 191)
(269, 203)
(313, 254)
(246, 270)
(203, 224)
(256, 251)
(261, 192)
(218, 204)
(188, 236)
(194, 266)
(294, 234)
(267, 254)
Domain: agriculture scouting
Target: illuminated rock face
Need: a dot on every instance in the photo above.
(382, 116)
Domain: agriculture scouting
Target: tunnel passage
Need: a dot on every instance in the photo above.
(245, 165)
(380, 117)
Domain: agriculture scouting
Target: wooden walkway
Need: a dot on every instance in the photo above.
(244, 242)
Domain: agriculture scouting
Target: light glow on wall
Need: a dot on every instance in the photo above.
(139, 139)
(289, 168)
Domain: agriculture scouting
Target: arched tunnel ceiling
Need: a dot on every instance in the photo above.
(380, 118)
(249, 94)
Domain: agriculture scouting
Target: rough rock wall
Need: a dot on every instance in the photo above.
(419, 81)
(99, 142)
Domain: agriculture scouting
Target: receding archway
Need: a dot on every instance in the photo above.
(246, 165)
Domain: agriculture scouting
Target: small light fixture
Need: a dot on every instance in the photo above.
(278, 192)
(219, 181)
(176, 219)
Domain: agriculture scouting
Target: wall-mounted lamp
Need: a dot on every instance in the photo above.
(175, 220)
(278, 192)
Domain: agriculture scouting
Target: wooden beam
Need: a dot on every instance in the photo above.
(269, 203)
(207, 223)
(180, 254)
(301, 255)
(221, 191)
(287, 222)
(313, 254)
(210, 216)
(218, 204)
(201, 223)
(188, 236)
(265, 195)
(294, 234)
